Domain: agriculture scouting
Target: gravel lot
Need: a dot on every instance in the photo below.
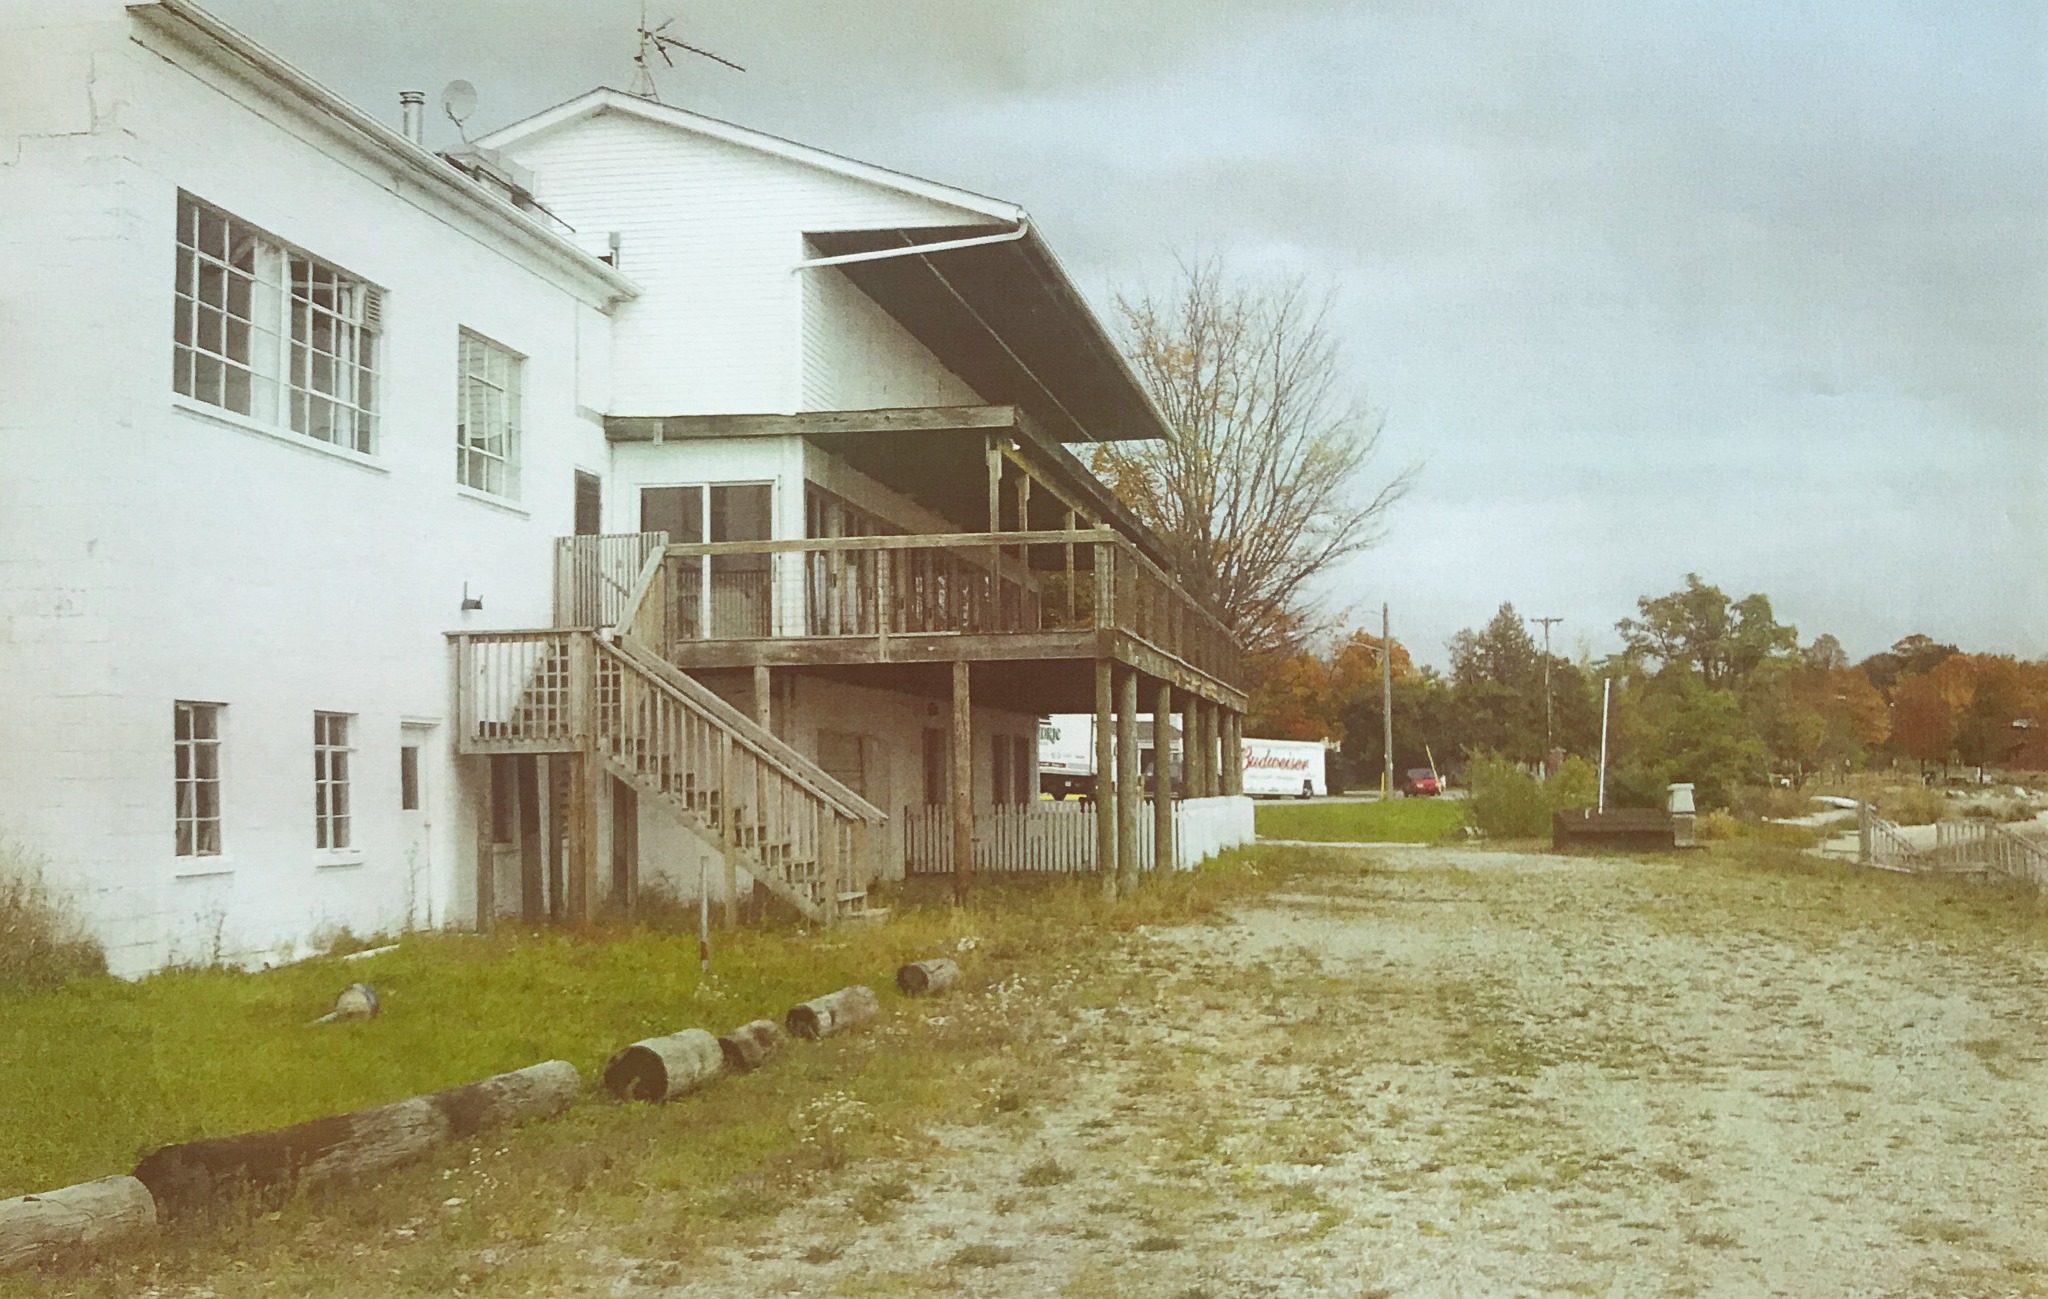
(1465, 1073)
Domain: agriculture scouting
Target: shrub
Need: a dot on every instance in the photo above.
(1913, 805)
(42, 941)
(1575, 784)
(1507, 802)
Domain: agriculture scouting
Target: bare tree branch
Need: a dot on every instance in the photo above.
(1260, 490)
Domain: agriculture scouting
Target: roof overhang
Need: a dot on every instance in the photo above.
(193, 29)
(1005, 318)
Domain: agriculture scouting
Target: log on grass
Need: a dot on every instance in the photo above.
(75, 1220)
(748, 1047)
(833, 1013)
(923, 978)
(265, 1167)
(663, 1068)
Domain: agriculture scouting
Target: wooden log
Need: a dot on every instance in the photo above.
(663, 1068)
(922, 978)
(265, 1167)
(77, 1219)
(836, 1013)
(748, 1047)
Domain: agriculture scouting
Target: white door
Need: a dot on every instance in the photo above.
(415, 830)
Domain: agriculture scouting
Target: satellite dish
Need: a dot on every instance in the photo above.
(458, 100)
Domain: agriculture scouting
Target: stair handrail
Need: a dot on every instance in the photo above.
(745, 730)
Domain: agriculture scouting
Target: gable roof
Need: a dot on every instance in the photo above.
(604, 99)
(193, 28)
(1003, 314)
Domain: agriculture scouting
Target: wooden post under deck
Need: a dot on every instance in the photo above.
(764, 697)
(961, 751)
(486, 855)
(1105, 776)
(1207, 713)
(1127, 791)
(1233, 753)
(1162, 780)
(1190, 752)
(580, 831)
(728, 829)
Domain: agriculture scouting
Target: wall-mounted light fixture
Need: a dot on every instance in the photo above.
(469, 601)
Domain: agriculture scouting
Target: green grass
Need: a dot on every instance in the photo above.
(102, 1070)
(1407, 820)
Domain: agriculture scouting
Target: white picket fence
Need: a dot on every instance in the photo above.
(1046, 838)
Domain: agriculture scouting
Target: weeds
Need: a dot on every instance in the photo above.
(43, 943)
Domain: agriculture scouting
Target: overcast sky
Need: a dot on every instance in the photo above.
(1757, 290)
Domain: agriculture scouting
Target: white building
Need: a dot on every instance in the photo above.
(287, 400)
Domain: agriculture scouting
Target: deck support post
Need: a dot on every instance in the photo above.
(625, 847)
(728, 830)
(1127, 792)
(1162, 779)
(961, 791)
(580, 830)
(486, 854)
(1105, 776)
(1206, 712)
(1233, 753)
(764, 697)
(1190, 752)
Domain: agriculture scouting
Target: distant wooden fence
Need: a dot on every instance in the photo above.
(1991, 848)
(1960, 848)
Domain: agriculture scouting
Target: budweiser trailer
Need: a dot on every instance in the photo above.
(1284, 768)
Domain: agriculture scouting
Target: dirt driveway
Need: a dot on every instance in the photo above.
(1462, 1073)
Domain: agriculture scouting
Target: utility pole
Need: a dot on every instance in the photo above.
(1546, 689)
(1387, 703)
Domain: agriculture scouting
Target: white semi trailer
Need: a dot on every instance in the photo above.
(1272, 768)
(1284, 768)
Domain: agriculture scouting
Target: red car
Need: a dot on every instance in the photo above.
(1421, 783)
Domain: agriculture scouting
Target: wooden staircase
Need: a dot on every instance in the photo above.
(761, 805)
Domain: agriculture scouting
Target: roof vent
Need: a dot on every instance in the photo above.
(412, 114)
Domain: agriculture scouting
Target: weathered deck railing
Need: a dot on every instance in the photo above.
(966, 583)
(595, 576)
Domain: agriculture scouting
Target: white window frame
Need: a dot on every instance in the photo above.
(272, 333)
(488, 415)
(196, 801)
(333, 793)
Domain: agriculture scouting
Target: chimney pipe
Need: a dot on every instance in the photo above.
(412, 108)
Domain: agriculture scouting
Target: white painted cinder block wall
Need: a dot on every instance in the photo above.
(150, 552)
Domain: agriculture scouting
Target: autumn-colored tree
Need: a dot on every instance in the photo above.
(1261, 489)
(1302, 694)
(1927, 709)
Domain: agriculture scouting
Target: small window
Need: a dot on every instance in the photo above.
(409, 778)
(268, 332)
(331, 780)
(487, 418)
(196, 740)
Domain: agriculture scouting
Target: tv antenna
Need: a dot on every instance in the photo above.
(458, 101)
(656, 41)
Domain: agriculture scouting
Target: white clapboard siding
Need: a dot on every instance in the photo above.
(709, 230)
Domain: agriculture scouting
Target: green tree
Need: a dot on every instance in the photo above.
(1701, 629)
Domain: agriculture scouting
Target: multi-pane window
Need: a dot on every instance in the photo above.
(197, 743)
(330, 780)
(265, 331)
(487, 417)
